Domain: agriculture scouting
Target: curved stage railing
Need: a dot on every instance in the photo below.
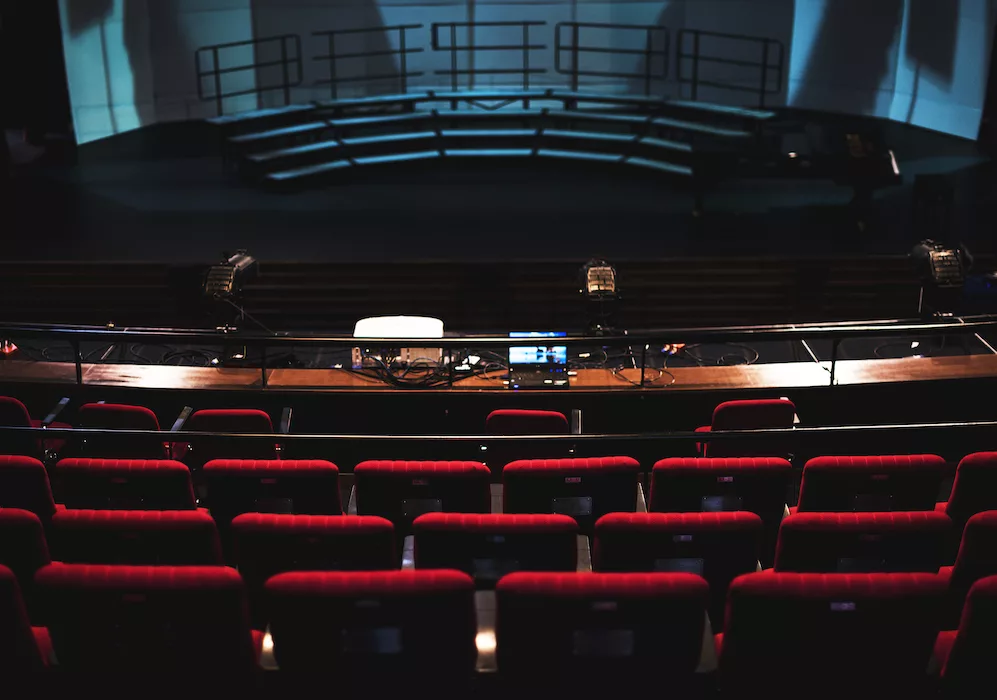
(644, 355)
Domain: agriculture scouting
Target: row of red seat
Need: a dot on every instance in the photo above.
(844, 632)
(585, 488)
(717, 546)
(731, 415)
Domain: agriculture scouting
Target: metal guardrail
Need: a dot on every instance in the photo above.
(640, 342)
(576, 49)
(285, 62)
(403, 51)
(787, 434)
(455, 48)
(767, 64)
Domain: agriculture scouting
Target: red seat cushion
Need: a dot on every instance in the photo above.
(871, 483)
(751, 414)
(306, 486)
(23, 548)
(113, 416)
(24, 484)
(19, 653)
(509, 421)
(401, 491)
(975, 487)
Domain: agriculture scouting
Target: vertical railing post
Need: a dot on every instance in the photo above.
(403, 63)
(78, 360)
(218, 82)
(526, 62)
(453, 56)
(648, 48)
(284, 67)
(643, 364)
(765, 73)
(834, 358)
(333, 82)
(695, 65)
(263, 365)
(574, 56)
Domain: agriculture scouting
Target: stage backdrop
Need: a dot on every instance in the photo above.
(131, 62)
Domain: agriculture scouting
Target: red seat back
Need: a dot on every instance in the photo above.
(751, 414)
(509, 421)
(24, 484)
(381, 625)
(863, 542)
(968, 671)
(975, 487)
(875, 483)
(307, 486)
(144, 537)
(23, 548)
(840, 633)
(112, 416)
(402, 491)
(488, 546)
(585, 628)
(233, 420)
(268, 544)
(585, 489)
(717, 546)
(19, 653)
(977, 556)
(14, 414)
(186, 619)
(124, 484)
(755, 484)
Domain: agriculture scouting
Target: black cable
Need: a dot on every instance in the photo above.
(703, 362)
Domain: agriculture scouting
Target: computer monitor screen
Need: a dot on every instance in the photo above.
(538, 354)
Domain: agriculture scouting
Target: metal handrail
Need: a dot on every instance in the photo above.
(801, 432)
(402, 52)
(455, 48)
(648, 52)
(286, 61)
(639, 341)
(765, 65)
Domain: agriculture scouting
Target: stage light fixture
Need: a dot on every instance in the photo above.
(226, 280)
(7, 348)
(943, 271)
(600, 290)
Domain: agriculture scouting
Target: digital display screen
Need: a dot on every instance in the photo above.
(538, 354)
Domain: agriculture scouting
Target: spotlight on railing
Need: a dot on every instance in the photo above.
(599, 288)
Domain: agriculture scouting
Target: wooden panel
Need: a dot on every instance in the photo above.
(760, 376)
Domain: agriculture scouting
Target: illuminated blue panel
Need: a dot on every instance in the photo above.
(580, 155)
(396, 157)
(317, 147)
(488, 133)
(308, 171)
(667, 144)
(388, 138)
(591, 135)
(489, 152)
(659, 165)
(278, 133)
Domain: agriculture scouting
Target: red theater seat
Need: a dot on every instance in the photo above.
(847, 634)
(137, 537)
(488, 546)
(509, 421)
(975, 488)
(402, 491)
(189, 621)
(585, 630)
(24, 484)
(586, 488)
(717, 546)
(19, 652)
(977, 559)
(750, 414)
(112, 416)
(198, 452)
(23, 548)
(880, 483)
(863, 542)
(302, 486)
(393, 627)
(14, 414)
(124, 484)
(268, 544)
(968, 655)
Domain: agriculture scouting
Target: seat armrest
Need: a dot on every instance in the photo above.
(181, 419)
(54, 413)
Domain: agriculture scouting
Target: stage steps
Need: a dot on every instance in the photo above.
(331, 138)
